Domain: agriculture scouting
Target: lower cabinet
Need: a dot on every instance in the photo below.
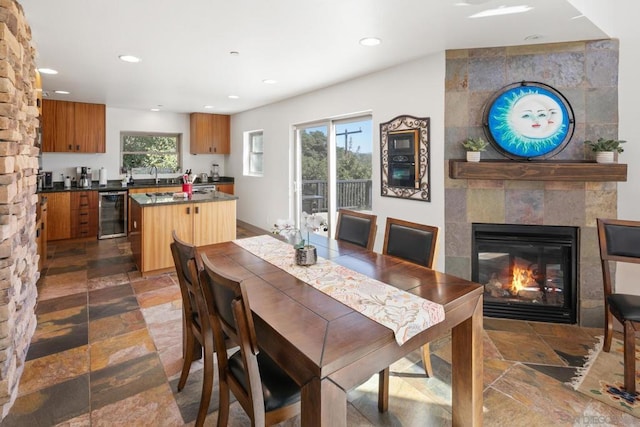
(59, 215)
(196, 223)
(84, 214)
(72, 214)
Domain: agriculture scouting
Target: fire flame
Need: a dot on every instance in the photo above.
(521, 278)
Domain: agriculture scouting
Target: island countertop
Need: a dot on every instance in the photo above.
(156, 199)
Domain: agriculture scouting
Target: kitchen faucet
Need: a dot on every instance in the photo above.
(154, 167)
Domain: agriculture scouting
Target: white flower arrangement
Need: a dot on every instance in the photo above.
(310, 223)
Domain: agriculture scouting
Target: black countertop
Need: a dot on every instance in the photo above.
(116, 185)
(158, 199)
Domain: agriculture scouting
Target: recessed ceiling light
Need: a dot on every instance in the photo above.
(370, 41)
(129, 58)
(234, 97)
(502, 10)
(269, 81)
(208, 106)
(61, 92)
(155, 109)
(234, 53)
(471, 2)
(47, 71)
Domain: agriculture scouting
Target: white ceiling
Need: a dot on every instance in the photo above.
(303, 44)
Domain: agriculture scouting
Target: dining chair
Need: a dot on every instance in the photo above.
(266, 393)
(196, 332)
(192, 341)
(356, 227)
(619, 241)
(415, 243)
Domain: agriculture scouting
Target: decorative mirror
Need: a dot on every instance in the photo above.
(528, 120)
(404, 158)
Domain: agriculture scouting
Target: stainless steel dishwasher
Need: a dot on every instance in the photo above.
(112, 217)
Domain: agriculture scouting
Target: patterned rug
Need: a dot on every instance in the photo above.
(602, 378)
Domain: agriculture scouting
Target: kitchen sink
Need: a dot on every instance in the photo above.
(160, 194)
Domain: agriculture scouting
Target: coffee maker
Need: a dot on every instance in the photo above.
(83, 176)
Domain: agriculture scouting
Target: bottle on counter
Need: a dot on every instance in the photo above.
(67, 183)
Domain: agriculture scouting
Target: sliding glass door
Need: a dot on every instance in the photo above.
(333, 167)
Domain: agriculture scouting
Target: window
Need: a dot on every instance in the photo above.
(334, 166)
(143, 150)
(253, 149)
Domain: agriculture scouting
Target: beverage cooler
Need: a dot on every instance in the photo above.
(112, 208)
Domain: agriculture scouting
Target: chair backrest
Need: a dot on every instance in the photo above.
(410, 241)
(356, 227)
(229, 313)
(186, 263)
(619, 240)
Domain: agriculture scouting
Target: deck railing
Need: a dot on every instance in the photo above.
(351, 194)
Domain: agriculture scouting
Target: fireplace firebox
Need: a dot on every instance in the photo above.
(529, 272)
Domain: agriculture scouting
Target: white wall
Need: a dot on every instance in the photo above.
(415, 88)
(119, 120)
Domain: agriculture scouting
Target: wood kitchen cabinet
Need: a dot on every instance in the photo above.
(73, 127)
(210, 134)
(84, 214)
(41, 231)
(59, 215)
(225, 188)
(197, 223)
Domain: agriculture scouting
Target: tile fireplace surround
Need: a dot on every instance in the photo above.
(586, 73)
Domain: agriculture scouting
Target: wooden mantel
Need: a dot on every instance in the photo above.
(537, 171)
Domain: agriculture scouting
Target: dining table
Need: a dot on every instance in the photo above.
(329, 348)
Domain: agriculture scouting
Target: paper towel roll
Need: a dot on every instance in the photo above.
(103, 177)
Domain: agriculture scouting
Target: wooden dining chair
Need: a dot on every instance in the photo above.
(266, 393)
(356, 227)
(620, 242)
(415, 243)
(190, 290)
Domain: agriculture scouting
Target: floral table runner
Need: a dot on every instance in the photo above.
(405, 314)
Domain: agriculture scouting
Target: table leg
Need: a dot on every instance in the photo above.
(466, 376)
(323, 404)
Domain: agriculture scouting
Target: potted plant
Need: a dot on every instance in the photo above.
(311, 223)
(474, 146)
(605, 149)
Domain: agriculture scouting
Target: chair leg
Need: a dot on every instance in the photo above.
(383, 390)
(608, 328)
(426, 360)
(207, 388)
(629, 357)
(188, 344)
(223, 405)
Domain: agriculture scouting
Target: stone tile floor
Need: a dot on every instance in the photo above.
(107, 351)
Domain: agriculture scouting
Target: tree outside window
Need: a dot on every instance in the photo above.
(144, 150)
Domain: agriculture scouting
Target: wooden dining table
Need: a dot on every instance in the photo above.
(329, 348)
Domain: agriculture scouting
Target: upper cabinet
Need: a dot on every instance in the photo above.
(210, 134)
(73, 127)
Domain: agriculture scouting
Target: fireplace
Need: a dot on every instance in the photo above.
(529, 272)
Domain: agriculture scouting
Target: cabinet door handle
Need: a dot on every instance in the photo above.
(188, 211)
(78, 147)
(70, 147)
(197, 209)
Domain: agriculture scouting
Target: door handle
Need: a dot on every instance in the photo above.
(188, 211)
(197, 209)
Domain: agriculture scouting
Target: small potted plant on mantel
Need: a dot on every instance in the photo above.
(605, 149)
(474, 146)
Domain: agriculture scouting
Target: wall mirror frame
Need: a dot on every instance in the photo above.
(404, 158)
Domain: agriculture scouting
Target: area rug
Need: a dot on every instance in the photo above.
(602, 378)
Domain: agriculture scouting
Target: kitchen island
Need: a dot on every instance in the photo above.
(201, 219)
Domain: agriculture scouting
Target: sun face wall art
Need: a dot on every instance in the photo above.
(528, 120)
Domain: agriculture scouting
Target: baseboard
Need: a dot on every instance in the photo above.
(252, 228)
